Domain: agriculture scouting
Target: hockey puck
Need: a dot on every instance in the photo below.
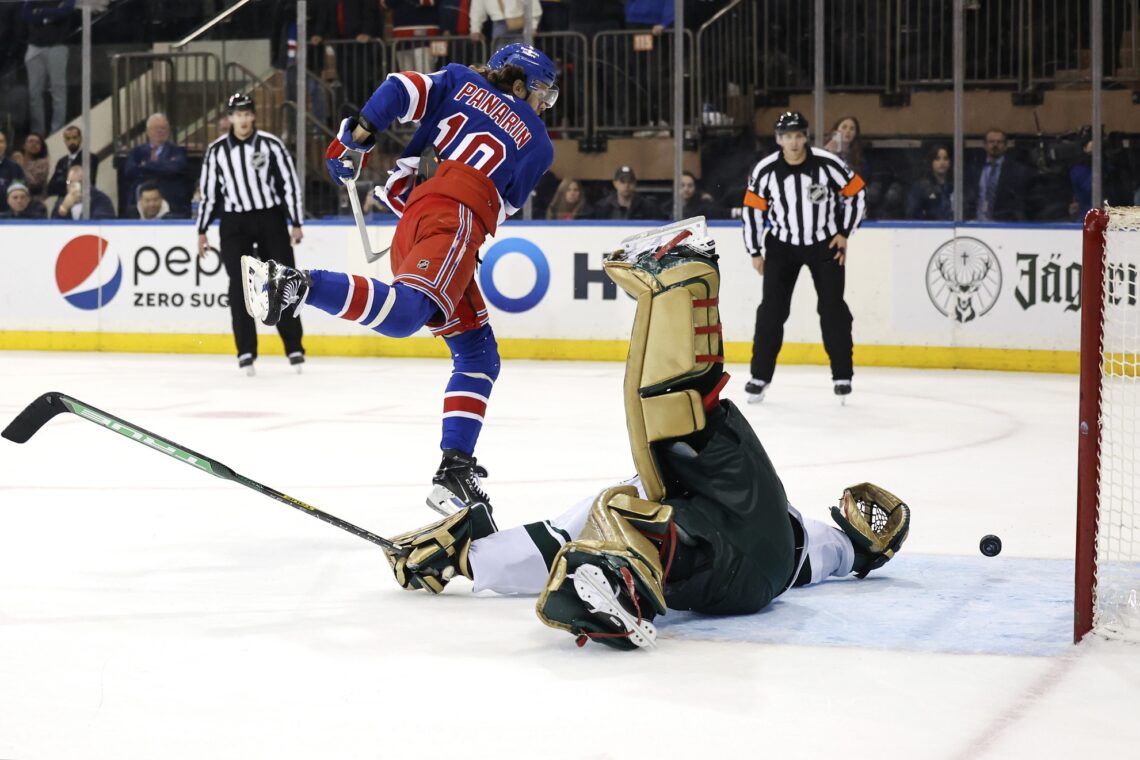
(990, 545)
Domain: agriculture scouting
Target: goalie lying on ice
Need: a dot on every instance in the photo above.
(704, 526)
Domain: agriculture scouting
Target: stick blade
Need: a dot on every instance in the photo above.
(35, 416)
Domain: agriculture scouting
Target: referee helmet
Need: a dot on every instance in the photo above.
(239, 101)
(791, 121)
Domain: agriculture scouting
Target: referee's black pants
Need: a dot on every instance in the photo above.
(782, 263)
(269, 229)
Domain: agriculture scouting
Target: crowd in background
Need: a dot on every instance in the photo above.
(1025, 178)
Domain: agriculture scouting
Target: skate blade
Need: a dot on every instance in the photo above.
(594, 589)
(254, 274)
(443, 501)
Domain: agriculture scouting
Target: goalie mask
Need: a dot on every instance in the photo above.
(674, 368)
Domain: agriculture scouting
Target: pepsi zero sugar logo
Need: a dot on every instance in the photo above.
(541, 275)
(86, 275)
(177, 271)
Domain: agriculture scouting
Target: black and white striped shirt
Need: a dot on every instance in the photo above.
(803, 204)
(248, 175)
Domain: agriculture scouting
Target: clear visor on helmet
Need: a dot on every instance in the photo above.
(548, 92)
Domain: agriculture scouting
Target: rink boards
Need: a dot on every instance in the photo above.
(976, 296)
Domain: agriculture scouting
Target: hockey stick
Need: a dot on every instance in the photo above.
(354, 201)
(47, 406)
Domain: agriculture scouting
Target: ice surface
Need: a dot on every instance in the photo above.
(148, 610)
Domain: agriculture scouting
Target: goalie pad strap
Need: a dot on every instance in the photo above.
(671, 244)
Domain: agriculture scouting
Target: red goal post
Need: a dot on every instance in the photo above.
(1107, 573)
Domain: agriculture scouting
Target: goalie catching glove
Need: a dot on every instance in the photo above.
(429, 557)
(876, 521)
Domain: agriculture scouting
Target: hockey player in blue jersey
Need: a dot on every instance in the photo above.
(484, 123)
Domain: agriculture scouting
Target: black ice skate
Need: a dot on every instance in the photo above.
(456, 484)
(297, 360)
(842, 389)
(245, 364)
(755, 390)
(271, 288)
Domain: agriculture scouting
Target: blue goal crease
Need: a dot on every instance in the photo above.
(943, 604)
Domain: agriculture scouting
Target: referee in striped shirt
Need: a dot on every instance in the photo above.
(801, 205)
(248, 181)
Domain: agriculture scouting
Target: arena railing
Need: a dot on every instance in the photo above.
(431, 54)
(632, 82)
(1025, 44)
(352, 70)
(570, 52)
(188, 87)
(727, 66)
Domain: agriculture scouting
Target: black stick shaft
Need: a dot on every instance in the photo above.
(47, 406)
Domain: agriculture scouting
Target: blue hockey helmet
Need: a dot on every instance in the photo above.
(540, 71)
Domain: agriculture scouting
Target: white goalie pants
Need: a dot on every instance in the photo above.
(517, 560)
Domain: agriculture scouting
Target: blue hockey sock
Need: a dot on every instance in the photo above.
(393, 310)
(475, 365)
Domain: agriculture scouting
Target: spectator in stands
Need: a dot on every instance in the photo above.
(73, 140)
(10, 171)
(999, 187)
(655, 15)
(354, 24)
(14, 98)
(160, 161)
(69, 205)
(846, 141)
(152, 206)
(931, 198)
(34, 161)
(886, 195)
(506, 17)
(569, 202)
(625, 202)
(21, 205)
(695, 202)
(413, 19)
(1080, 176)
(49, 23)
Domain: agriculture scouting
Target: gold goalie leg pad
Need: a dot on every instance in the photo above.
(429, 557)
(876, 521)
(675, 349)
(608, 585)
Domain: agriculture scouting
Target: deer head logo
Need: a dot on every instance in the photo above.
(963, 279)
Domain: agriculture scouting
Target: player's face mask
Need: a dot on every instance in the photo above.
(547, 92)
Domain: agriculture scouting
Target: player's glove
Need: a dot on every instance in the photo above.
(345, 157)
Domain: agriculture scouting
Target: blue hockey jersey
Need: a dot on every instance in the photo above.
(467, 120)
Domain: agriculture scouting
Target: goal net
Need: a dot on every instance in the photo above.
(1108, 480)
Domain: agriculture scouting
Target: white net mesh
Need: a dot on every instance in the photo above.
(1116, 611)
